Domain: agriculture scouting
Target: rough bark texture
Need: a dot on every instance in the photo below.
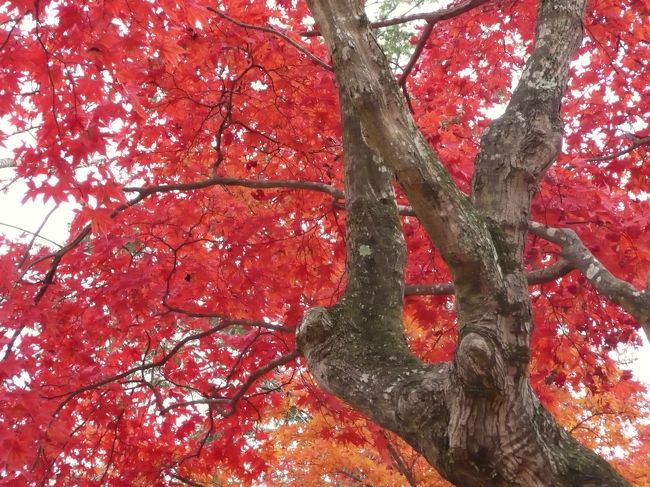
(634, 301)
(475, 419)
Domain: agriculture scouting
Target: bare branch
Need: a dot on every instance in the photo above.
(430, 17)
(7, 162)
(35, 234)
(245, 183)
(634, 301)
(636, 144)
(537, 276)
(424, 37)
(275, 32)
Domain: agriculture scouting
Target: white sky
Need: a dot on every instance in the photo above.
(30, 215)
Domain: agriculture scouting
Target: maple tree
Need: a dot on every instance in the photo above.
(268, 209)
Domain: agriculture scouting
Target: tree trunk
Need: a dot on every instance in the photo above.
(475, 419)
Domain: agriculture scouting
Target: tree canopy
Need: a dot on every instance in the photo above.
(242, 170)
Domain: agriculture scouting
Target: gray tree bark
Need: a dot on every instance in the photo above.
(476, 418)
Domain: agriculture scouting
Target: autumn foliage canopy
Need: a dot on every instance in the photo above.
(200, 144)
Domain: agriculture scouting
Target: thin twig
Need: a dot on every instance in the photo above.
(35, 235)
(232, 401)
(157, 363)
(9, 225)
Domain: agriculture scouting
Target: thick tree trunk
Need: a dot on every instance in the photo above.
(475, 419)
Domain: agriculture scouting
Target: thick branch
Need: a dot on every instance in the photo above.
(356, 349)
(476, 420)
(517, 148)
(363, 74)
(634, 301)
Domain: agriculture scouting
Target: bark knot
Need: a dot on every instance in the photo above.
(475, 360)
(314, 330)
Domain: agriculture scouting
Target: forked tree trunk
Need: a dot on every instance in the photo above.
(475, 419)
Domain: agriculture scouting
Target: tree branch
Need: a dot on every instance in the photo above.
(356, 349)
(245, 183)
(144, 192)
(515, 151)
(364, 75)
(476, 419)
(517, 148)
(274, 32)
(424, 37)
(240, 322)
(636, 144)
(35, 234)
(231, 401)
(7, 162)
(185, 480)
(634, 301)
(537, 276)
(430, 17)
(398, 461)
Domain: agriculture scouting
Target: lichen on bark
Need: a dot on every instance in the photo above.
(475, 418)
